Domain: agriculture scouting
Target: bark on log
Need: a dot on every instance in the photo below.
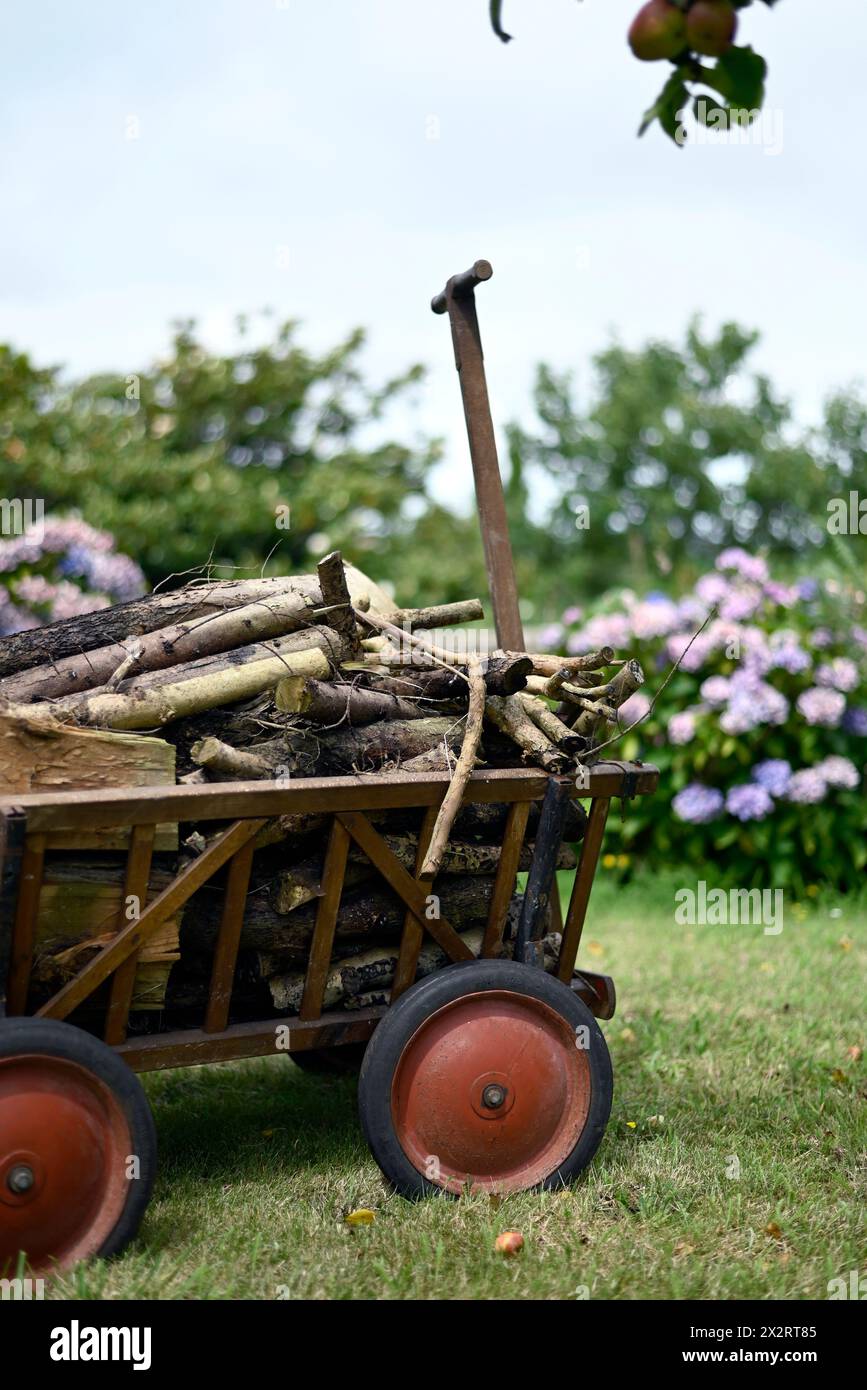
(508, 714)
(461, 775)
(331, 703)
(166, 647)
(71, 636)
(303, 881)
(150, 707)
(552, 727)
(364, 915)
(502, 675)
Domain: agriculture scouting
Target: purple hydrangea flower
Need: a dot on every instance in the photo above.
(715, 690)
(741, 603)
(839, 772)
(697, 804)
(572, 615)
(841, 674)
(807, 787)
(785, 595)
(749, 801)
(822, 637)
(807, 589)
(712, 589)
(751, 567)
(681, 727)
(855, 721)
(821, 706)
(636, 707)
(774, 774)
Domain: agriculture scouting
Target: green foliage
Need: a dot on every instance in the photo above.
(778, 676)
(681, 450)
(268, 449)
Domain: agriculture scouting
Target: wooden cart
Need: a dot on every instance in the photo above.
(490, 1072)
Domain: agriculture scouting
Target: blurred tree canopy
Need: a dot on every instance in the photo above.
(673, 452)
(227, 457)
(677, 452)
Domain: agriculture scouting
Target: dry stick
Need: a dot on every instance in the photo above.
(615, 738)
(469, 748)
(463, 769)
(554, 727)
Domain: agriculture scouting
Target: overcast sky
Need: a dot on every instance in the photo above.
(336, 160)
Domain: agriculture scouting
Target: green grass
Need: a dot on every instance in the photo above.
(725, 1042)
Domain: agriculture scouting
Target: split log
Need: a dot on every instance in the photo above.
(336, 600)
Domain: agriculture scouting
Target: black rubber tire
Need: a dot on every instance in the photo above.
(423, 999)
(345, 1060)
(51, 1038)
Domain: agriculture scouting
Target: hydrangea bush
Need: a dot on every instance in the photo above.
(761, 735)
(61, 568)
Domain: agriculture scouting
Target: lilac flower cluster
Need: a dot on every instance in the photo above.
(62, 569)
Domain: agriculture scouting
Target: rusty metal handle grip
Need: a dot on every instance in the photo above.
(461, 285)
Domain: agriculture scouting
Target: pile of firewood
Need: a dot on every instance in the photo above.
(307, 676)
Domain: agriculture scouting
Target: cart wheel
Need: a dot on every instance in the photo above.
(331, 1061)
(73, 1121)
(490, 1075)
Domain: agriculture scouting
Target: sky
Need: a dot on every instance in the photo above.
(336, 161)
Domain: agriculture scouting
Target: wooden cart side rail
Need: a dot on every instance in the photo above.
(364, 792)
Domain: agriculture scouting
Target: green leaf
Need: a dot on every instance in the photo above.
(739, 76)
(667, 108)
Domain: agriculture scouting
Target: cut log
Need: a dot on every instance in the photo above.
(553, 728)
(303, 881)
(365, 915)
(148, 708)
(330, 703)
(509, 715)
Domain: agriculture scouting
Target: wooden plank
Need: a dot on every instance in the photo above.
(406, 887)
(504, 883)
(138, 871)
(24, 925)
(134, 936)
(228, 939)
(191, 1047)
(322, 945)
(577, 910)
(412, 935)
(364, 791)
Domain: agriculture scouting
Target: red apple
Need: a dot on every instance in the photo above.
(657, 31)
(710, 27)
(509, 1242)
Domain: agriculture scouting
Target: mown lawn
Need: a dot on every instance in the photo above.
(730, 1048)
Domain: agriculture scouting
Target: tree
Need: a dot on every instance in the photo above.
(680, 451)
(260, 453)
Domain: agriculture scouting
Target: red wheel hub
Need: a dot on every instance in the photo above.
(491, 1090)
(64, 1143)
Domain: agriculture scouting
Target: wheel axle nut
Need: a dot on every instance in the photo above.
(493, 1096)
(20, 1179)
